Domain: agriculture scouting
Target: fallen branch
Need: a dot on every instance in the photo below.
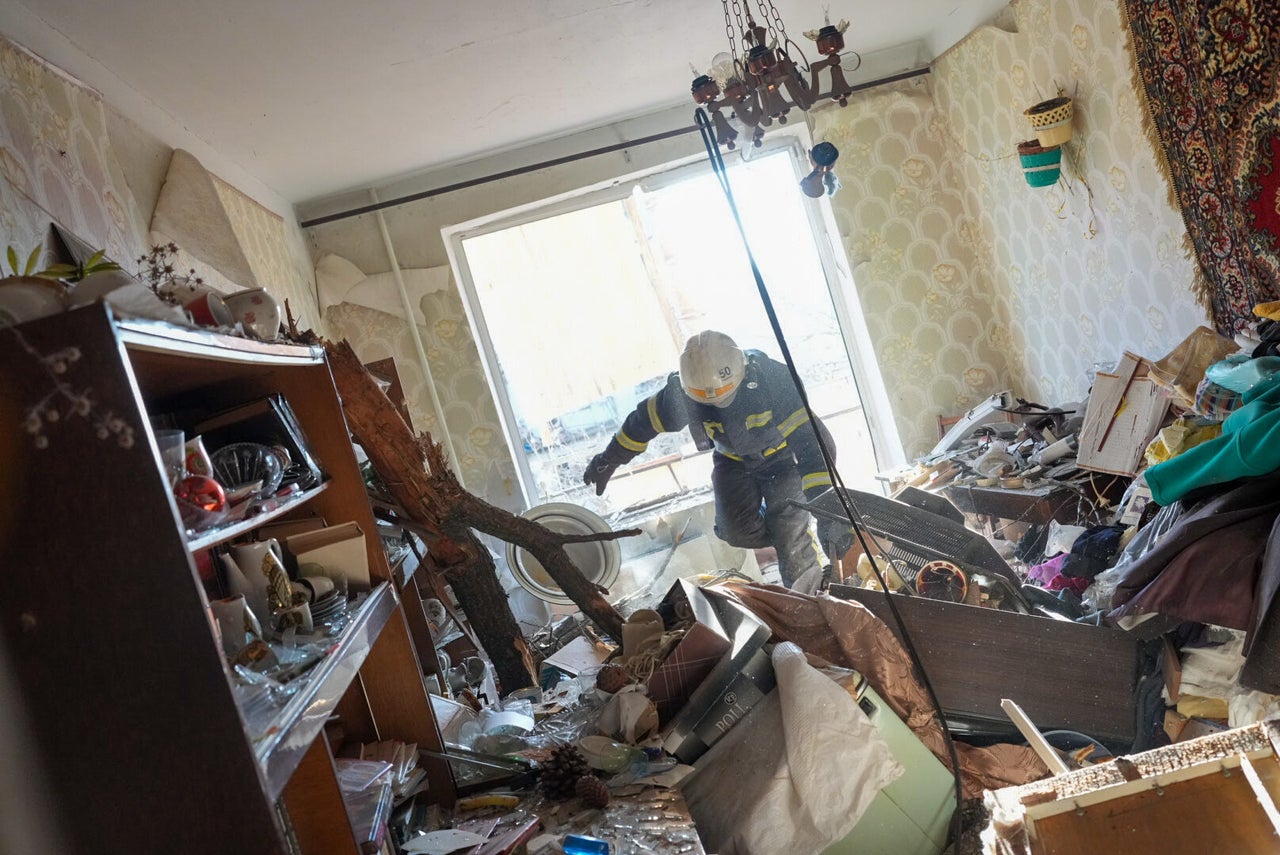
(427, 494)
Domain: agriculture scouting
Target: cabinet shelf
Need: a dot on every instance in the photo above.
(108, 631)
(203, 344)
(224, 533)
(297, 724)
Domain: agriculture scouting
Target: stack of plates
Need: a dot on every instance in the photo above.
(328, 607)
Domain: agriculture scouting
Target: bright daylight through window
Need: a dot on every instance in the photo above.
(586, 312)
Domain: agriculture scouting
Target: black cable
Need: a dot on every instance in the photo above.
(718, 168)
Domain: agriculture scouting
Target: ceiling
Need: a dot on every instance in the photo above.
(314, 98)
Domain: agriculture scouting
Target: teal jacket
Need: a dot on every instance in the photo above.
(1249, 445)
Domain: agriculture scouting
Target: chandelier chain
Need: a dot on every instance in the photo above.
(774, 17)
(728, 30)
(741, 25)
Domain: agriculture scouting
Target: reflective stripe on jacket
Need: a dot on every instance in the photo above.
(765, 418)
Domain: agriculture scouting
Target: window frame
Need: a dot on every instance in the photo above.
(885, 441)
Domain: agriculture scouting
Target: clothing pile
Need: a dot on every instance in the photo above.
(1203, 568)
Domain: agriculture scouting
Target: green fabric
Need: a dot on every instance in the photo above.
(1249, 445)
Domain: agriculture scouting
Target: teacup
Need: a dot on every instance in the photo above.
(298, 616)
(208, 309)
(257, 311)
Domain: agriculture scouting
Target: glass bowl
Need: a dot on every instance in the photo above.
(242, 463)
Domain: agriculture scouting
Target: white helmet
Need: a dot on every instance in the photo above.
(711, 368)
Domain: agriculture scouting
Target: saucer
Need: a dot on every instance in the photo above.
(26, 298)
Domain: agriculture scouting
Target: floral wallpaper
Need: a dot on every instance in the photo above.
(1095, 265)
(970, 279)
(915, 259)
(277, 254)
(482, 460)
(57, 162)
(58, 165)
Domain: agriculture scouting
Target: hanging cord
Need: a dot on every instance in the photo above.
(718, 168)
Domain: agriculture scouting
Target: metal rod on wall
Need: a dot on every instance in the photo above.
(559, 161)
(411, 318)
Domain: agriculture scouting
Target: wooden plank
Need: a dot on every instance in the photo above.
(1265, 800)
(1034, 505)
(1035, 739)
(1210, 813)
(313, 792)
(1066, 676)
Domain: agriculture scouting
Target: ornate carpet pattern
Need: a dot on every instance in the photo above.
(1211, 73)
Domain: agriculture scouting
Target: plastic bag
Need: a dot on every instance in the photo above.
(1182, 435)
(994, 461)
(1098, 595)
(1061, 537)
(1240, 372)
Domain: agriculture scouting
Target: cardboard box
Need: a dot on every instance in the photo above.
(702, 647)
(737, 682)
(338, 549)
(1124, 413)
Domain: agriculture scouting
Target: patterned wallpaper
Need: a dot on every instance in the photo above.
(56, 161)
(915, 261)
(277, 253)
(482, 460)
(971, 279)
(1095, 265)
(58, 164)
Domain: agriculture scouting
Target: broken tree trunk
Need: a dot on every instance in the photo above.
(415, 472)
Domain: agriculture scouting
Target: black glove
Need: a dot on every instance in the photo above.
(598, 472)
(836, 538)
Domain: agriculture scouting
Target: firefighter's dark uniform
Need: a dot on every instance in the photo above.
(765, 453)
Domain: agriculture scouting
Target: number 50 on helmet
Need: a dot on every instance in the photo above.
(711, 368)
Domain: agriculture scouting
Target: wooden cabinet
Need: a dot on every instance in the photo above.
(137, 741)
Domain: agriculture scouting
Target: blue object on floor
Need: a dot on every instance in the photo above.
(577, 844)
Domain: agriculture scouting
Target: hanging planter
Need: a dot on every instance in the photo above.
(1041, 165)
(1051, 120)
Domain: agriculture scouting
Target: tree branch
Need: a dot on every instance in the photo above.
(418, 476)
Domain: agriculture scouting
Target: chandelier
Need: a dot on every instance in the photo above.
(768, 80)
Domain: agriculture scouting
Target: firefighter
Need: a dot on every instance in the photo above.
(765, 450)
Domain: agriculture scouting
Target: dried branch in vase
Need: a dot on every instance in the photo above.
(157, 269)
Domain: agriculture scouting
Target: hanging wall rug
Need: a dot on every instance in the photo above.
(1211, 73)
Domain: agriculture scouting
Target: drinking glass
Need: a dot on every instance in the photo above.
(172, 445)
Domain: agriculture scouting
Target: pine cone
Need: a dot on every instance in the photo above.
(561, 773)
(612, 678)
(593, 791)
